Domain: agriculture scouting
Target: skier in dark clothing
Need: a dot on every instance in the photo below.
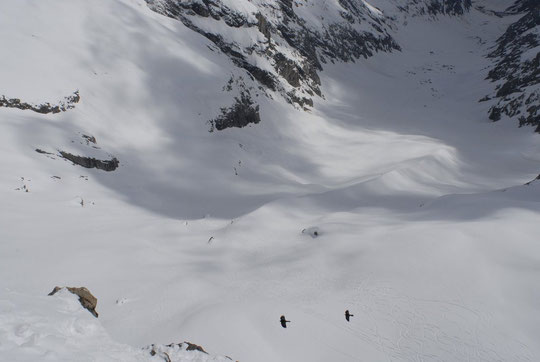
(348, 315)
(283, 321)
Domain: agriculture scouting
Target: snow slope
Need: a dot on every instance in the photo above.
(59, 329)
(428, 234)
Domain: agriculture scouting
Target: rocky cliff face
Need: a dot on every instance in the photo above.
(283, 44)
(434, 7)
(517, 67)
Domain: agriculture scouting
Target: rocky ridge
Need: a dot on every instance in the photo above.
(43, 108)
(516, 68)
(434, 7)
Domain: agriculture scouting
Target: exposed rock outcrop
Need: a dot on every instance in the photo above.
(44, 152)
(90, 162)
(87, 300)
(168, 352)
(242, 113)
(435, 7)
(85, 161)
(521, 6)
(194, 347)
(89, 139)
(43, 108)
(517, 68)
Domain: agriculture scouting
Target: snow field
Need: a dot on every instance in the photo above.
(427, 233)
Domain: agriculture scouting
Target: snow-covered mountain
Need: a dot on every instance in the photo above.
(282, 44)
(206, 166)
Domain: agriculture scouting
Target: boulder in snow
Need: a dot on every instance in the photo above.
(312, 231)
(86, 298)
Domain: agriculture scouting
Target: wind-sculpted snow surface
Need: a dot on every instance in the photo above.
(393, 196)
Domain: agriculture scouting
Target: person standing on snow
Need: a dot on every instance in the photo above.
(348, 315)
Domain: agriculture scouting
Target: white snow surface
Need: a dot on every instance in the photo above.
(428, 234)
(57, 328)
